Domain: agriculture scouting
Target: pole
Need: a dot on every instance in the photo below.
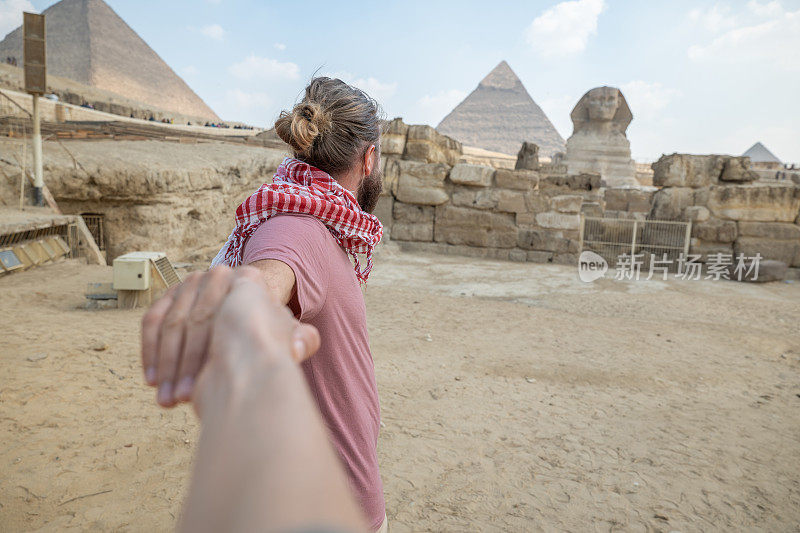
(38, 179)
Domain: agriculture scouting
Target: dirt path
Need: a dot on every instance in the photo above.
(514, 398)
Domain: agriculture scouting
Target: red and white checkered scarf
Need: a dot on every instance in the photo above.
(297, 187)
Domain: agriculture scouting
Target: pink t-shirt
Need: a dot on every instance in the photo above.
(341, 374)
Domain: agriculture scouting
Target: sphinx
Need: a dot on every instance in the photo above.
(598, 143)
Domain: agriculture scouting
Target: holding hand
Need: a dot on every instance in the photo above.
(177, 331)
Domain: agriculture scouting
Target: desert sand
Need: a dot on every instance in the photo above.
(514, 398)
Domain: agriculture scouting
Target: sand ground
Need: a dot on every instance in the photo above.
(514, 398)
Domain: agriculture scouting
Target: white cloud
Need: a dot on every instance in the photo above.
(11, 14)
(279, 46)
(714, 19)
(213, 31)
(768, 9)
(434, 107)
(373, 87)
(564, 29)
(244, 100)
(263, 68)
(646, 99)
(772, 41)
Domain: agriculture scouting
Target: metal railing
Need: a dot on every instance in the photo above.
(613, 237)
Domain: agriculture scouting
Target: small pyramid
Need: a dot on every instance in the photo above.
(89, 43)
(758, 153)
(499, 115)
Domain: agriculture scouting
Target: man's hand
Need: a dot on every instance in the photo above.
(176, 332)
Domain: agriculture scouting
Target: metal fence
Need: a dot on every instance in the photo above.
(613, 237)
(94, 222)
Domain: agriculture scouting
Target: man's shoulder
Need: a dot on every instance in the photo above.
(293, 226)
(295, 231)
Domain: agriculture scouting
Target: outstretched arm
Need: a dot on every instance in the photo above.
(263, 461)
(175, 331)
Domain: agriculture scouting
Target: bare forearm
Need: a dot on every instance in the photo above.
(264, 460)
(279, 279)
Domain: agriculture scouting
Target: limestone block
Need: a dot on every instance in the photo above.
(532, 238)
(779, 250)
(402, 231)
(591, 209)
(639, 201)
(768, 270)
(413, 214)
(738, 169)
(397, 126)
(383, 210)
(509, 201)
(565, 259)
(669, 203)
(625, 215)
(528, 157)
(412, 222)
(705, 249)
(519, 256)
(522, 180)
(585, 182)
(474, 198)
(770, 230)
(756, 202)
(391, 173)
(536, 256)
(686, 170)
(537, 203)
(616, 199)
(554, 220)
(567, 203)
(460, 225)
(628, 200)
(476, 175)
(504, 200)
(393, 141)
(421, 183)
(715, 230)
(702, 195)
(424, 143)
(697, 213)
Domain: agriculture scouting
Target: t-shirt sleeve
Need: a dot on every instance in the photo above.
(296, 241)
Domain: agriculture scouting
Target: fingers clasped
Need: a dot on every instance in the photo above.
(176, 330)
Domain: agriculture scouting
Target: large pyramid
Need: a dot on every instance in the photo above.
(499, 115)
(89, 43)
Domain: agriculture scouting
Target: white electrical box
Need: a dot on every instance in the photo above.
(132, 270)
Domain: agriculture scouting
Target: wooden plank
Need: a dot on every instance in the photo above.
(93, 253)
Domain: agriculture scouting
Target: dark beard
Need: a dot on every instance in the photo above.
(370, 190)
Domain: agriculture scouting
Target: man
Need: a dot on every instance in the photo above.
(300, 232)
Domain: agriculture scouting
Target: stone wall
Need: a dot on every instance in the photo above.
(731, 211)
(434, 202)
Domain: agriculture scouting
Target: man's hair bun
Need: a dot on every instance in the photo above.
(301, 127)
(332, 126)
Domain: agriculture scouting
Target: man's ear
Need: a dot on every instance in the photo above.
(369, 160)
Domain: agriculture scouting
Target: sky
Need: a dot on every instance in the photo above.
(699, 76)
